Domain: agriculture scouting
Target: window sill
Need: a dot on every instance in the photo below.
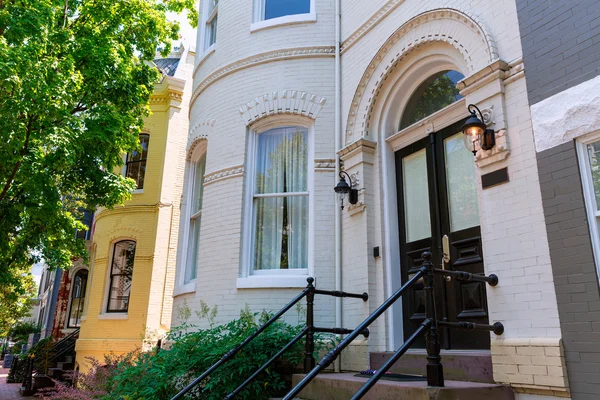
(209, 50)
(260, 282)
(183, 289)
(283, 21)
(138, 191)
(113, 316)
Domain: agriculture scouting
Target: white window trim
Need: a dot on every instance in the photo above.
(104, 314)
(284, 21)
(182, 287)
(206, 19)
(292, 278)
(588, 193)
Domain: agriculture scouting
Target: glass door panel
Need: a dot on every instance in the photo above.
(416, 196)
(462, 193)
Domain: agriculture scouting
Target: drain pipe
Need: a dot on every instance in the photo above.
(338, 147)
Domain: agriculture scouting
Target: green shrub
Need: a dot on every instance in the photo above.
(160, 375)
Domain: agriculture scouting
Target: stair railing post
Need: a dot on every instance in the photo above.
(28, 382)
(309, 347)
(435, 370)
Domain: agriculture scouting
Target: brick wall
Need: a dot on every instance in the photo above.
(561, 44)
(573, 268)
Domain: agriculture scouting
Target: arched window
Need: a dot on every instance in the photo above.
(121, 272)
(136, 162)
(435, 93)
(280, 200)
(77, 298)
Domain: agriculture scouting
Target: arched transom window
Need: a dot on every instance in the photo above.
(435, 93)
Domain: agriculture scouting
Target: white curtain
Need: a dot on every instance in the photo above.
(281, 221)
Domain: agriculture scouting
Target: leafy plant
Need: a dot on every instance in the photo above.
(160, 375)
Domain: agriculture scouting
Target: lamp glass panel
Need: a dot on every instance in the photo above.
(415, 186)
(460, 176)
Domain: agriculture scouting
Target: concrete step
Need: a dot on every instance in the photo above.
(342, 386)
(459, 365)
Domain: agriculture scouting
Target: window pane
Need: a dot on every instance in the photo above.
(594, 151)
(133, 170)
(76, 311)
(123, 257)
(211, 32)
(198, 185)
(281, 233)
(460, 175)
(212, 4)
(281, 162)
(191, 270)
(119, 293)
(435, 93)
(141, 175)
(415, 187)
(279, 8)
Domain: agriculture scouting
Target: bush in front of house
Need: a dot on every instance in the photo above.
(160, 375)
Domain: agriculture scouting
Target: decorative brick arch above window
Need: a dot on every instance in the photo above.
(201, 130)
(452, 27)
(280, 103)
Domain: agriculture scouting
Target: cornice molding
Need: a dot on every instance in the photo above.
(262, 58)
(461, 31)
(282, 102)
(222, 174)
(126, 209)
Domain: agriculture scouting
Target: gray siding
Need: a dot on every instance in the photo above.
(573, 268)
(561, 44)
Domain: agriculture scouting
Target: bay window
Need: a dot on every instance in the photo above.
(280, 202)
(121, 273)
(196, 179)
(77, 298)
(269, 13)
(135, 166)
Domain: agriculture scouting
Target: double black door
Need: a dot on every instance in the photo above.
(437, 197)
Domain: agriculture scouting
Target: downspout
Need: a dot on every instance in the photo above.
(338, 147)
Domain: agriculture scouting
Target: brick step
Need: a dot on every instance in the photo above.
(342, 386)
(459, 365)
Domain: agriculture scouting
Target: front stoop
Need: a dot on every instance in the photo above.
(342, 386)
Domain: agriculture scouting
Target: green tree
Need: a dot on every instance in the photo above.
(75, 81)
(15, 303)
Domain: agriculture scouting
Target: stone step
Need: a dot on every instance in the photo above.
(342, 386)
(459, 365)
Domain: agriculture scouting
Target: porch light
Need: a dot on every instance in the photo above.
(475, 130)
(343, 189)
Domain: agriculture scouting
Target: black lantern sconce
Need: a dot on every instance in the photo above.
(343, 189)
(475, 130)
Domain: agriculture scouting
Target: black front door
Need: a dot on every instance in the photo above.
(437, 196)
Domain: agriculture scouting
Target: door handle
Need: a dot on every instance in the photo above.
(446, 254)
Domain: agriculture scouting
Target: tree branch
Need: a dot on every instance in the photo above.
(18, 163)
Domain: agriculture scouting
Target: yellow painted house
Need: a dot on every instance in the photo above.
(132, 262)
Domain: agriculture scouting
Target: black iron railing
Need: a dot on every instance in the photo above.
(308, 331)
(64, 347)
(429, 327)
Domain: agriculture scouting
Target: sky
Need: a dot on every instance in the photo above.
(188, 34)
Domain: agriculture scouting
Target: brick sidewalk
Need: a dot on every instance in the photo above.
(8, 391)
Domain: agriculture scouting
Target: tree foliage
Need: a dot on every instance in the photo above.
(75, 81)
(15, 303)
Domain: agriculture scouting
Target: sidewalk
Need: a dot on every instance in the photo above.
(8, 391)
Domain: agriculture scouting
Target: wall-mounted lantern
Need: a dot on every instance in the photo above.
(343, 189)
(475, 130)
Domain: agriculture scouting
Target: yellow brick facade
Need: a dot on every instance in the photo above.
(151, 219)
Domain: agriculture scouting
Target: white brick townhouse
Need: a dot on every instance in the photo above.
(288, 93)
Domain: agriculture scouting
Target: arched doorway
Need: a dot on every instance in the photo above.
(437, 197)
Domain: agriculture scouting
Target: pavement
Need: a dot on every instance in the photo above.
(8, 391)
